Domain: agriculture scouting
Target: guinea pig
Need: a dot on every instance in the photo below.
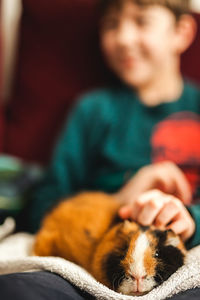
(124, 256)
(132, 259)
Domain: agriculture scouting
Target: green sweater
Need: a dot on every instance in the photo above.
(110, 134)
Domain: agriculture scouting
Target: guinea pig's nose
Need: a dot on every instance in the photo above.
(139, 280)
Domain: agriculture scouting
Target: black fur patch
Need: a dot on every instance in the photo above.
(170, 259)
(111, 265)
(161, 236)
(144, 228)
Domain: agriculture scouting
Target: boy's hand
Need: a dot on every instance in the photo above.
(165, 176)
(164, 211)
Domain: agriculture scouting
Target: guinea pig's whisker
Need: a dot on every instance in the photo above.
(162, 280)
(114, 279)
(118, 279)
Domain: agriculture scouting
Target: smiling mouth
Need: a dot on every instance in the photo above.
(127, 62)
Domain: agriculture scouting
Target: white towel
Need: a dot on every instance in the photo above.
(15, 257)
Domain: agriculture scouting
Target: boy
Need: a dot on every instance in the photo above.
(113, 133)
(124, 139)
(134, 47)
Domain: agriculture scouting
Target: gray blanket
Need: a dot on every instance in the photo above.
(15, 256)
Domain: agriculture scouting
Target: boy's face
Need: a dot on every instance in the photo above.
(139, 43)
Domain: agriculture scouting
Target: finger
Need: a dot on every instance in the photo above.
(166, 214)
(165, 183)
(179, 226)
(125, 212)
(132, 210)
(181, 185)
(138, 204)
(172, 180)
(147, 196)
(136, 210)
(183, 191)
(143, 199)
(149, 212)
(177, 185)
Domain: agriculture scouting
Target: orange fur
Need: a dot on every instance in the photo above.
(82, 220)
(108, 243)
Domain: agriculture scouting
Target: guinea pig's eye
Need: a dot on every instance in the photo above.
(156, 254)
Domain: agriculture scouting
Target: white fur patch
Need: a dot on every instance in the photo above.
(137, 267)
(130, 286)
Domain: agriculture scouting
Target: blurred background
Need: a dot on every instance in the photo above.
(49, 55)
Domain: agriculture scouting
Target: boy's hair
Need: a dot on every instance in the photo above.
(178, 7)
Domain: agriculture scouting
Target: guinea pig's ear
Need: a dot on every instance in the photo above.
(129, 226)
(126, 225)
(172, 239)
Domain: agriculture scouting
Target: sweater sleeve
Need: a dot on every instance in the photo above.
(70, 167)
(195, 239)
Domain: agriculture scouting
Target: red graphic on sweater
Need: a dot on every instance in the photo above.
(177, 139)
